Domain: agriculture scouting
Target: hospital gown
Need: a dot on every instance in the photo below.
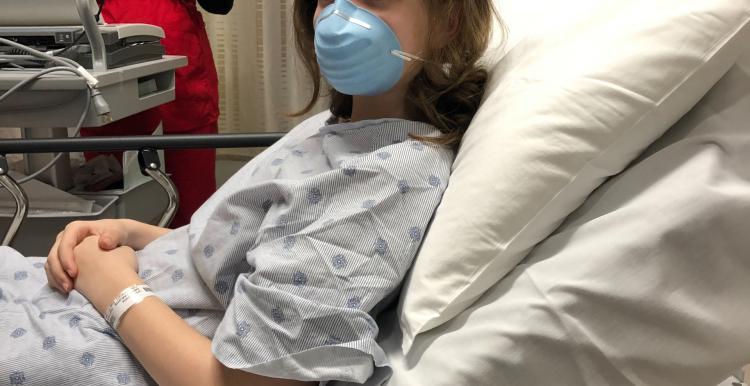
(284, 268)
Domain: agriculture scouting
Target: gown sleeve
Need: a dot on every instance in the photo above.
(338, 244)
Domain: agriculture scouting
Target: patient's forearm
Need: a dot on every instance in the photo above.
(175, 354)
(141, 234)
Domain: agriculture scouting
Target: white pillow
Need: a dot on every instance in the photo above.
(590, 86)
(644, 284)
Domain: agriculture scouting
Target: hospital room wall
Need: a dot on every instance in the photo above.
(260, 78)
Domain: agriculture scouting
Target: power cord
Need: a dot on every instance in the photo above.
(66, 65)
(101, 106)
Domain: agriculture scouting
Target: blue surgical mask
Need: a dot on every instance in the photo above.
(357, 51)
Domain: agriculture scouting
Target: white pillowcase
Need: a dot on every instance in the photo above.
(645, 284)
(581, 94)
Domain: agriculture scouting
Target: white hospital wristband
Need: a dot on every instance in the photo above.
(128, 298)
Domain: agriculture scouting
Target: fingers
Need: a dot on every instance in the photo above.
(107, 241)
(56, 276)
(71, 236)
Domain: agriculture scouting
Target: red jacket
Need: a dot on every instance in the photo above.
(195, 109)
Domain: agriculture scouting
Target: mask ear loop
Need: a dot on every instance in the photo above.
(406, 56)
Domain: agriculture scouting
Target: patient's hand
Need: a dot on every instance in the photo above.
(104, 273)
(61, 267)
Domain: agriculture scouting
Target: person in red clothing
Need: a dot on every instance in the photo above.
(195, 109)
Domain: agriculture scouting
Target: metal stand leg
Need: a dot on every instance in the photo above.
(148, 159)
(60, 175)
(22, 202)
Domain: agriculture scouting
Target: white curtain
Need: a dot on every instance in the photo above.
(261, 80)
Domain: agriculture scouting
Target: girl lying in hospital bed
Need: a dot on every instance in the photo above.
(278, 276)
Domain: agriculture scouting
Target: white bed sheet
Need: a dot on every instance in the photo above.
(646, 284)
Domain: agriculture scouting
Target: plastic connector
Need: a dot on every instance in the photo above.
(90, 79)
(101, 106)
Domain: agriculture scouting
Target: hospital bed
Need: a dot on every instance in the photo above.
(594, 229)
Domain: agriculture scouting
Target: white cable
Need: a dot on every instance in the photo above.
(32, 78)
(65, 62)
(12, 58)
(57, 157)
(68, 65)
(37, 53)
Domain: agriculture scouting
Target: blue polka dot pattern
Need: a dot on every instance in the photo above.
(369, 204)
(381, 247)
(354, 302)
(282, 220)
(243, 328)
(415, 233)
(87, 359)
(314, 196)
(123, 379)
(21, 275)
(277, 315)
(339, 262)
(235, 228)
(434, 181)
(266, 205)
(277, 162)
(289, 242)
(48, 343)
(403, 187)
(350, 171)
(221, 287)
(299, 279)
(17, 378)
(17, 333)
(74, 321)
(384, 155)
(298, 153)
(146, 273)
(38, 265)
(331, 341)
(418, 146)
(208, 251)
(171, 252)
(177, 275)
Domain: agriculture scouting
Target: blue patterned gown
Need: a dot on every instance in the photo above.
(283, 268)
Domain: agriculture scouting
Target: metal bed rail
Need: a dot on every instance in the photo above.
(148, 160)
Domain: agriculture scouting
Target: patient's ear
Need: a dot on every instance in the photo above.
(454, 20)
(445, 32)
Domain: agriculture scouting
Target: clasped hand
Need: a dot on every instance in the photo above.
(89, 255)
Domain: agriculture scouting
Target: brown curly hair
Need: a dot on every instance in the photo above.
(447, 90)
